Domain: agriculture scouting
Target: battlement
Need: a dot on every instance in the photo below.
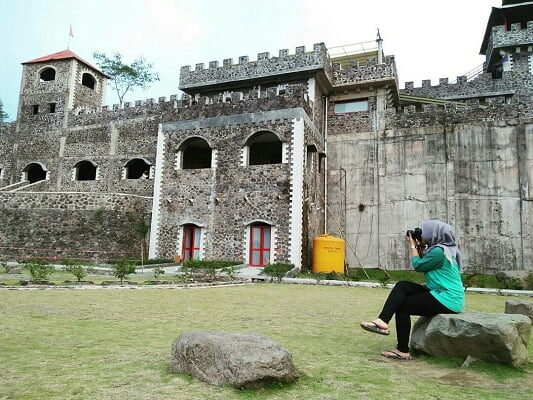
(196, 106)
(246, 69)
(516, 36)
(370, 71)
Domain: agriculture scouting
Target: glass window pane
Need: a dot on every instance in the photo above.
(255, 258)
(256, 237)
(266, 257)
(351, 106)
(266, 237)
(187, 234)
(196, 254)
(197, 237)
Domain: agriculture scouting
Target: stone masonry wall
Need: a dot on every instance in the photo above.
(56, 225)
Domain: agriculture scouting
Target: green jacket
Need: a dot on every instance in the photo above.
(443, 278)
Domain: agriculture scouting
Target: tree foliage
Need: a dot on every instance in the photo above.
(3, 114)
(126, 77)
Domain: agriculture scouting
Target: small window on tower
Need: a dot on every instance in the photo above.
(52, 107)
(47, 74)
(35, 109)
(88, 80)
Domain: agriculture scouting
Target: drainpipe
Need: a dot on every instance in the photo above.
(326, 164)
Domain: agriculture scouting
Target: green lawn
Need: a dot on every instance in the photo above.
(115, 344)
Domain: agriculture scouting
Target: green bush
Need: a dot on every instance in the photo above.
(40, 272)
(528, 285)
(123, 269)
(277, 270)
(158, 261)
(78, 271)
(158, 272)
(208, 267)
(38, 261)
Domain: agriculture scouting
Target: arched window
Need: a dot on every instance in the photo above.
(191, 242)
(85, 171)
(137, 168)
(195, 153)
(260, 244)
(264, 148)
(47, 74)
(34, 172)
(311, 157)
(88, 80)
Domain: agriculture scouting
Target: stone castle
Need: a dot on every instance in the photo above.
(259, 157)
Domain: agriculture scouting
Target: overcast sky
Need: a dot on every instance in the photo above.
(430, 39)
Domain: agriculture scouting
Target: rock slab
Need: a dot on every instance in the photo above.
(228, 358)
(519, 307)
(499, 338)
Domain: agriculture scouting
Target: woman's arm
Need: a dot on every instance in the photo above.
(432, 260)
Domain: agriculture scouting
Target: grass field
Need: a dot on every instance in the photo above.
(115, 344)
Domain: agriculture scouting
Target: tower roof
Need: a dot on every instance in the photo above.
(64, 55)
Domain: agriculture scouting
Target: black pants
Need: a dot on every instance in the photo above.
(406, 299)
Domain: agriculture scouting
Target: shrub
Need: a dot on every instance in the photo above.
(209, 268)
(277, 270)
(158, 261)
(528, 284)
(158, 272)
(78, 271)
(40, 272)
(123, 269)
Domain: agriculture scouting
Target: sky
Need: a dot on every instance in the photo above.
(430, 39)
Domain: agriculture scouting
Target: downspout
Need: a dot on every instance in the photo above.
(326, 164)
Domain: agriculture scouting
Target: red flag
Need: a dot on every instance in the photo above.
(70, 32)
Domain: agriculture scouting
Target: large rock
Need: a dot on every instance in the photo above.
(501, 338)
(227, 358)
(519, 307)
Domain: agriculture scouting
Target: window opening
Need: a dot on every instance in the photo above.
(311, 154)
(259, 245)
(137, 168)
(265, 148)
(47, 74)
(52, 107)
(191, 242)
(35, 109)
(351, 106)
(196, 154)
(88, 80)
(34, 172)
(85, 171)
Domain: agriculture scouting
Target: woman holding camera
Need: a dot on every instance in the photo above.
(435, 254)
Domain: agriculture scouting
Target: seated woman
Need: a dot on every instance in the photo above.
(443, 292)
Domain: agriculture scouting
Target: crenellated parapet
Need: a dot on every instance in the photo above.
(190, 107)
(367, 72)
(516, 36)
(264, 66)
(483, 86)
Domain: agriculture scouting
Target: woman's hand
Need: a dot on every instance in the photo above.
(412, 245)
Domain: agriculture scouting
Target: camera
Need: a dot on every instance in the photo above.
(416, 233)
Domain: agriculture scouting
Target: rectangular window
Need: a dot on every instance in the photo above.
(35, 109)
(191, 243)
(351, 106)
(52, 107)
(259, 245)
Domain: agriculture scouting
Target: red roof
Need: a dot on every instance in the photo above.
(63, 55)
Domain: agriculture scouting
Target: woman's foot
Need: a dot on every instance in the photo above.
(377, 326)
(396, 354)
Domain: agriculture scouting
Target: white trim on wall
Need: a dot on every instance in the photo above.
(297, 176)
(156, 203)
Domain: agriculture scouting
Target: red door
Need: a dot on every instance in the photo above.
(259, 245)
(191, 243)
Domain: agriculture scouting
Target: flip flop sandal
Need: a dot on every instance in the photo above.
(374, 329)
(395, 356)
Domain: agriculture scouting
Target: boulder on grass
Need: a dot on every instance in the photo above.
(228, 358)
(500, 338)
(519, 307)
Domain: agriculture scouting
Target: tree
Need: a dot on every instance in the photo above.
(123, 269)
(3, 114)
(126, 77)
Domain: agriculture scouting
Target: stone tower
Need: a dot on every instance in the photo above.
(57, 83)
(508, 40)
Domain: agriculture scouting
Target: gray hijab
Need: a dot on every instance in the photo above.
(439, 234)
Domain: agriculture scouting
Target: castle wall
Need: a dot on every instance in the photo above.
(82, 225)
(469, 167)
